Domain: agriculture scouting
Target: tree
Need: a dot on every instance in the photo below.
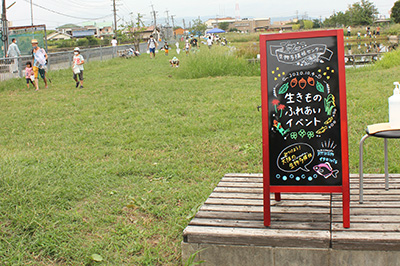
(316, 23)
(359, 13)
(307, 24)
(395, 14)
(198, 27)
(223, 26)
(338, 19)
(362, 13)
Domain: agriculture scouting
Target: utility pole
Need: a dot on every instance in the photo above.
(31, 13)
(154, 14)
(173, 26)
(172, 19)
(115, 19)
(4, 29)
(166, 11)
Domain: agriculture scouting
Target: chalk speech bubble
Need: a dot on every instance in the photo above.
(295, 157)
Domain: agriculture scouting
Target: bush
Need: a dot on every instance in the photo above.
(65, 43)
(394, 29)
(389, 60)
(92, 40)
(243, 37)
(247, 50)
(219, 61)
(82, 42)
(296, 26)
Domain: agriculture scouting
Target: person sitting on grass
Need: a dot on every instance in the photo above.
(77, 67)
(174, 62)
(29, 75)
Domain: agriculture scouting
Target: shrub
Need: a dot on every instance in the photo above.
(248, 50)
(296, 26)
(82, 42)
(219, 61)
(92, 40)
(394, 29)
(389, 60)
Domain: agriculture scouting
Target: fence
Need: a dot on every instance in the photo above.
(13, 67)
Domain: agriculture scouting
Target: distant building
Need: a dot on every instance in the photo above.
(83, 33)
(101, 29)
(178, 33)
(242, 25)
(68, 28)
(96, 29)
(282, 25)
(58, 36)
(145, 32)
(213, 22)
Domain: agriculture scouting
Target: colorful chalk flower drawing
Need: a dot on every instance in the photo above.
(281, 107)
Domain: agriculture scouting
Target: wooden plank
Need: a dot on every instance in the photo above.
(369, 204)
(274, 209)
(370, 211)
(284, 196)
(260, 224)
(257, 237)
(383, 241)
(298, 217)
(380, 198)
(257, 175)
(370, 219)
(380, 185)
(242, 179)
(228, 195)
(239, 190)
(240, 184)
(258, 202)
(367, 227)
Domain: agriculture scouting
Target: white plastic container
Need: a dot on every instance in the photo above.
(394, 107)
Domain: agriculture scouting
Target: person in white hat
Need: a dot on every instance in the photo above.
(77, 67)
(174, 62)
(39, 63)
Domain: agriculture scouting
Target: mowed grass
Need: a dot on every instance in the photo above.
(119, 168)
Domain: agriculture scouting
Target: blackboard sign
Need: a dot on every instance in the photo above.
(304, 112)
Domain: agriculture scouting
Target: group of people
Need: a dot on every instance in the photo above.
(38, 65)
(368, 32)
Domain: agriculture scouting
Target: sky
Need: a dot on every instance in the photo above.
(55, 13)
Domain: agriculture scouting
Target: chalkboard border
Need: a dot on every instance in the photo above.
(344, 188)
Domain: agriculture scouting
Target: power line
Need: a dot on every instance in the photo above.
(59, 13)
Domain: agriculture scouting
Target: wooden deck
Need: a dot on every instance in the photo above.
(233, 215)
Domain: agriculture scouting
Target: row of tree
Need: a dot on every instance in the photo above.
(358, 14)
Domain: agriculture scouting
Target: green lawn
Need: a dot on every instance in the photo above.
(119, 168)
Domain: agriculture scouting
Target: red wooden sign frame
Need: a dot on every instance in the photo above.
(268, 188)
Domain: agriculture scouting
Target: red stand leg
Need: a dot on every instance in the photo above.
(277, 196)
(267, 206)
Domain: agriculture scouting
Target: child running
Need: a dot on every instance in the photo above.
(78, 65)
(187, 47)
(166, 48)
(29, 75)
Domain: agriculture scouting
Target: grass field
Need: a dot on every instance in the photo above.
(114, 172)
